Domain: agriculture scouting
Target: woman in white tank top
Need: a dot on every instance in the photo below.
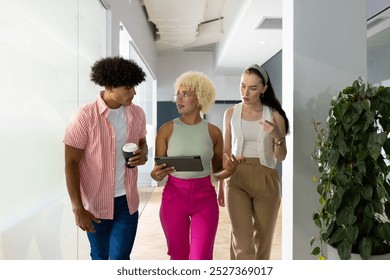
(254, 131)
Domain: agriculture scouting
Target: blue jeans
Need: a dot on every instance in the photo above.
(114, 239)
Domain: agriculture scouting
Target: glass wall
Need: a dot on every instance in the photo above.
(147, 99)
(378, 48)
(46, 49)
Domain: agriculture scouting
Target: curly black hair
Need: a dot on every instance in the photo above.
(116, 72)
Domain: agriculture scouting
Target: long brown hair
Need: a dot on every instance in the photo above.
(269, 97)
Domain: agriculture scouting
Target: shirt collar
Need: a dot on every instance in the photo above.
(102, 106)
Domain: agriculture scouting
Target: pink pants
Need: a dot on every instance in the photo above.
(189, 216)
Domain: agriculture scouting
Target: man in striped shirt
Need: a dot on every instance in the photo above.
(102, 190)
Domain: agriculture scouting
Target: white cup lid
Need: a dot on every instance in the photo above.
(130, 147)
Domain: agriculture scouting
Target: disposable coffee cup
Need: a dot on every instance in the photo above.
(128, 150)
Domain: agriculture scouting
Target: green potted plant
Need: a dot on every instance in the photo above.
(353, 185)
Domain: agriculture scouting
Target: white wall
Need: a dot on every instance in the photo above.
(327, 53)
(131, 14)
(171, 65)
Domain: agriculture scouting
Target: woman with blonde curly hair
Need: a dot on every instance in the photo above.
(189, 210)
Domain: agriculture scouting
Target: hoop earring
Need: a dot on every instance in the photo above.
(262, 95)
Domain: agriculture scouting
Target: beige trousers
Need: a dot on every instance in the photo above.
(252, 202)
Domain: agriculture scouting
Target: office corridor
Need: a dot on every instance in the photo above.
(150, 242)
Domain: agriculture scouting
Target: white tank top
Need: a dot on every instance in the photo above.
(250, 132)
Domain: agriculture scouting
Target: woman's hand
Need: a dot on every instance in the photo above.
(271, 128)
(231, 163)
(159, 172)
(221, 194)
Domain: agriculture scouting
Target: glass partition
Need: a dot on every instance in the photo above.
(146, 98)
(46, 49)
(378, 48)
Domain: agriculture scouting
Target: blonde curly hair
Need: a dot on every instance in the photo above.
(201, 85)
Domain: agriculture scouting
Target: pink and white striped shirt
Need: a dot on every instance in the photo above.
(90, 130)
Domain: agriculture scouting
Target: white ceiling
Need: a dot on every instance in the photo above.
(226, 27)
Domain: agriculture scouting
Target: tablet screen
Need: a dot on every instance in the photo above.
(181, 163)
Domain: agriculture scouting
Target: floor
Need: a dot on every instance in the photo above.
(150, 241)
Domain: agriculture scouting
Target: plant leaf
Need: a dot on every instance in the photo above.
(384, 230)
(384, 94)
(367, 192)
(339, 110)
(333, 157)
(353, 157)
(346, 216)
(369, 210)
(337, 236)
(316, 251)
(352, 232)
(366, 104)
(344, 250)
(365, 248)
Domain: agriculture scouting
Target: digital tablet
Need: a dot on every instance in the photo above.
(181, 163)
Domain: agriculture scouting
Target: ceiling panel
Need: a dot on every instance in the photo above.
(226, 27)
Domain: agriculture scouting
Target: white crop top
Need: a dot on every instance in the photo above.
(250, 131)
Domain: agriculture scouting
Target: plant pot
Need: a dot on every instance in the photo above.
(333, 255)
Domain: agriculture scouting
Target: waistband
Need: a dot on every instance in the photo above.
(251, 160)
(199, 180)
(256, 162)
